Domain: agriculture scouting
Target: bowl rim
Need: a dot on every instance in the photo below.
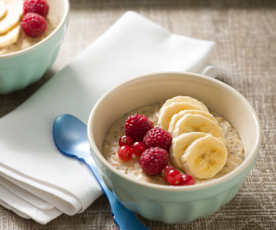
(246, 162)
(58, 27)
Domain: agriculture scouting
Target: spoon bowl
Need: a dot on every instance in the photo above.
(70, 136)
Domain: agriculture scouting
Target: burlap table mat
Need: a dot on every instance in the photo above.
(245, 32)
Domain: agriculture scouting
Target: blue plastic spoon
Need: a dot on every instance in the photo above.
(71, 140)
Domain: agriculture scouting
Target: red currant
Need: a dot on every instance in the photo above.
(125, 140)
(166, 170)
(125, 153)
(174, 177)
(187, 180)
(138, 148)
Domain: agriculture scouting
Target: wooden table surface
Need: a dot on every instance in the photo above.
(245, 32)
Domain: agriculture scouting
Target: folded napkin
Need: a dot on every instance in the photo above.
(35, 180)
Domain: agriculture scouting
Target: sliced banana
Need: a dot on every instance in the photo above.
(15, 11)
(3, 9)
(9, 38)
(205, 157)
(179, 115)
(187, 99)
(168, 111)
(180, 144)
(197, 123)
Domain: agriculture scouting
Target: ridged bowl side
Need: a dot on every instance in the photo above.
(19, 71)
(172, 206)
(182, 211)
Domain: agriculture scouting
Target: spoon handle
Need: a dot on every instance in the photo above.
(123, 217)
(89, 162)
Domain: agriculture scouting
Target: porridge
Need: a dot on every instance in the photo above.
(203, 146)
(23, 24)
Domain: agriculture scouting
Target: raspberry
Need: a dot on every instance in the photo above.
(157, 137)
(153, 160)
(138, 148)
(33, 25)
(125, 153)
(40, 7)
(136, 126)
(125, 140)
(187, 180)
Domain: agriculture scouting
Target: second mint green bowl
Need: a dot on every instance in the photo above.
(22, 68)
(172, 204)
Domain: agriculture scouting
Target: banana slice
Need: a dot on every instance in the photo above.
(205, 157)
(197, 123)
(187, 99)
(15, 11)
(168, 111)
(3, 10)
(180, 144)
(179, 115)
(10, 38)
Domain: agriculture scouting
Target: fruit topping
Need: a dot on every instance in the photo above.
(187, 180)
(138, 148)
(40, 7)
(153, 160)
(136, 126)
(125, 153)
(125, 140)
(33, 25)
(174, 177)
(205, 157)
(157, 137)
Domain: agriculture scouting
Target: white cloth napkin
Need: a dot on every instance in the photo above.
(36, 181)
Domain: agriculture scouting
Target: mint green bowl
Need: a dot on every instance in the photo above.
(171, 204)
(22, 68)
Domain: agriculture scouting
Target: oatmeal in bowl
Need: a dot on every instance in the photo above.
(196, 145)
(24, 23)
(166, 143)
(31, 33)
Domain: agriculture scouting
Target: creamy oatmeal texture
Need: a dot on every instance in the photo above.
(133, 169)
